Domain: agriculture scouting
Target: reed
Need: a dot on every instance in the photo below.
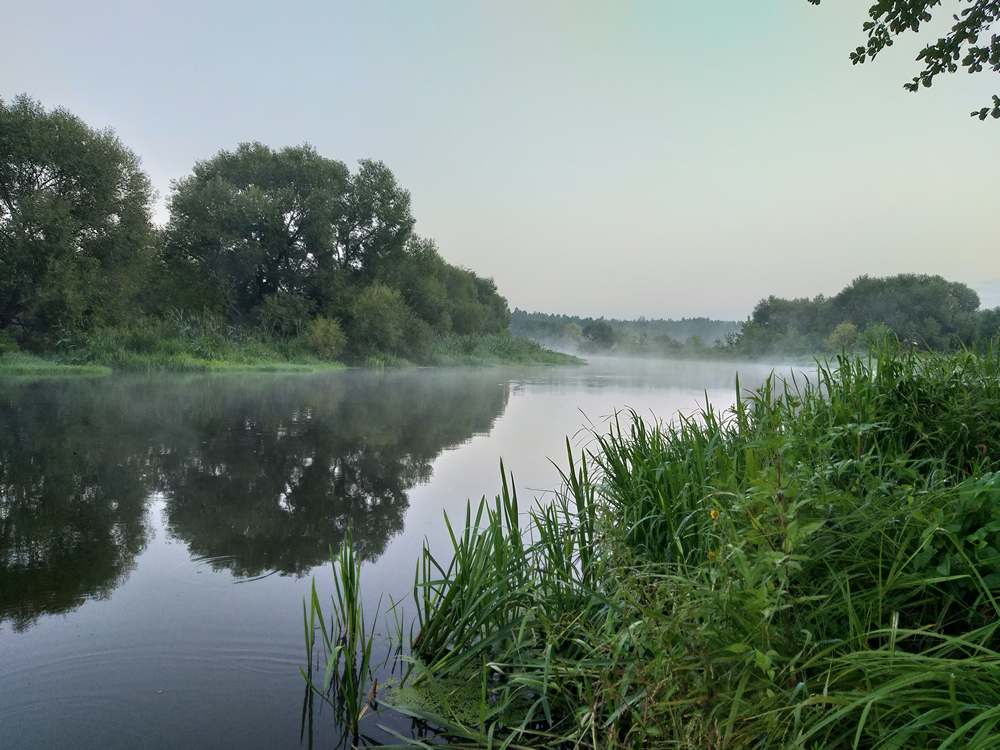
(344, 648)
(816, 567)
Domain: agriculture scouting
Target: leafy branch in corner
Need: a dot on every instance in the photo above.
(959, 48)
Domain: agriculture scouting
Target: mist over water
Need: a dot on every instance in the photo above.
(157, 535)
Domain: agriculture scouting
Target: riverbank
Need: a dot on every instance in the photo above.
(169, 359)
(497, 349)
(28, 365)
(104, 355)
(816, 567)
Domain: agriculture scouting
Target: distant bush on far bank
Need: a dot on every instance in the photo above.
(642, 336)
(919, 311)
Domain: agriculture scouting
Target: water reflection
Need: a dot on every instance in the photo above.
(72, 501)
(258, 473)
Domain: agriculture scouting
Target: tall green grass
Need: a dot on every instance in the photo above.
(19, 364)
(816, 567)
(189, 343)
(343, 653)
(182, 342)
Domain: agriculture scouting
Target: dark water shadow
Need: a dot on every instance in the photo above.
(259, 474)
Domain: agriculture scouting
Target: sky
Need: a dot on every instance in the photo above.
(614, 158)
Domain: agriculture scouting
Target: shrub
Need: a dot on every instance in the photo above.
(378, 320)
(843, 338)
(466, 318)
(877, 335)
(285, 314)
(8, 344)
(325, 338)
(428, 298)
(419, 339)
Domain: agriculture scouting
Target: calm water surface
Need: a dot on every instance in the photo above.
(158, 534)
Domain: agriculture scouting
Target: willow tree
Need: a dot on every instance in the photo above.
(75, 232)
(283, 228)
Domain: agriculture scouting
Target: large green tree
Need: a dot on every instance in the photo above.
(449, 298)
(254, 223)
(929, 310)
(75, 231)
(275, 238)
(967, 44)
(376, 222)
(923, 310)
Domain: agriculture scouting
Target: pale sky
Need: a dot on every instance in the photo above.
(657, 158)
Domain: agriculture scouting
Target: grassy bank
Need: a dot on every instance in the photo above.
(495, 349)
(168, 356)
(148, 349)
(17, 364)
(817, 567)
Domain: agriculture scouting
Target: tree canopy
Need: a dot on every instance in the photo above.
(75, 232)
(967, 44)
(254, 222)
(281, 243)
(925, 311)
(280, 237)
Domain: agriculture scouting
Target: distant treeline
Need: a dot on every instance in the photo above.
(282, 246)
(925, 312)
(641, 336)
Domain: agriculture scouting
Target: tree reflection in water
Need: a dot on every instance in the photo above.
(259, 473)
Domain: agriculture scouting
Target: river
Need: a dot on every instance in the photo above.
(158, 533)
